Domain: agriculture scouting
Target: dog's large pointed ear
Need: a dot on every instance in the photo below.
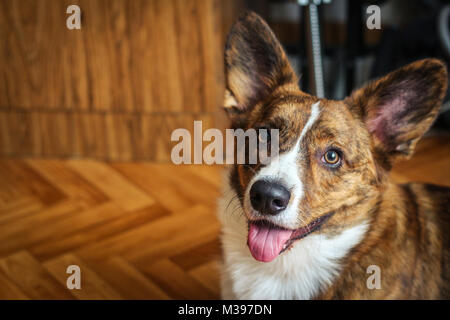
(255, 64)
(400, 107)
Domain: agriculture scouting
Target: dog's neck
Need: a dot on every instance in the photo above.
(385, 218)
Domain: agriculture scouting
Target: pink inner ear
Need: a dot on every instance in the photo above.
(386, 122)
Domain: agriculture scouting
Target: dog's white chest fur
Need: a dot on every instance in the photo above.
(300, 273)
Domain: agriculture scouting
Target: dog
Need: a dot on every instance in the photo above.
(324, 219)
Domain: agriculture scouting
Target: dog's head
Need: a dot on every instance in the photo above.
(333, 155)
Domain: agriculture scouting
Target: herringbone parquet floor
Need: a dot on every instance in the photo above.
(137, 230)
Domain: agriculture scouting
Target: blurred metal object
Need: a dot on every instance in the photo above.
(444, 28)
(314, 47)
(308, 2)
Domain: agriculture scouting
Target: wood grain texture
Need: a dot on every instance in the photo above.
(105, 136)
(116, 88)
(137, 230)
(104, 217)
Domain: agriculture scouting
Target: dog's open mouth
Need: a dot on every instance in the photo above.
(266, 240)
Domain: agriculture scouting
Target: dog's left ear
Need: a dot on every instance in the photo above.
(400, 107)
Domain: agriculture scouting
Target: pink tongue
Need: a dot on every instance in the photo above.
(266, 242)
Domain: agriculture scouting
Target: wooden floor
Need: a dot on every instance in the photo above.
(137, 230)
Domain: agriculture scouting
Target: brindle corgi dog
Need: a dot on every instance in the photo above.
(311, 224)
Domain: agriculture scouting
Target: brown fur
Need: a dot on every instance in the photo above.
(407, 240)
(375, 126)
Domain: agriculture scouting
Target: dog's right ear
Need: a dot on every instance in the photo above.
(255, 64)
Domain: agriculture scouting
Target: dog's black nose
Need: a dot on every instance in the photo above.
(269, 197)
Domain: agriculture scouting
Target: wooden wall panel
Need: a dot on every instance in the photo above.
(108, 136)
(153, 55)
(115, 88)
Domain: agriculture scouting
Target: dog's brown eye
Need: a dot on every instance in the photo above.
(331, 157)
